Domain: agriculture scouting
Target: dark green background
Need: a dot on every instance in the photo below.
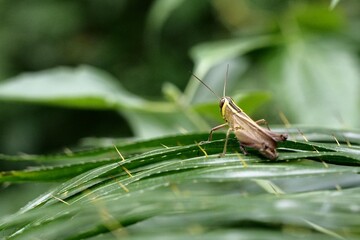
(145, 44)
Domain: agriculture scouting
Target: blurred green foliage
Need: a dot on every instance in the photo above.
(303, 54)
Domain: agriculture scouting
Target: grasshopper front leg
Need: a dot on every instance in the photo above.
(226, 141)
(215, 129)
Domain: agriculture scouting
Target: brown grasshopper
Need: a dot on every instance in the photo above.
(247, 131)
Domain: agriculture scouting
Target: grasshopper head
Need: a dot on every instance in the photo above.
(225, 101)
(224, 104)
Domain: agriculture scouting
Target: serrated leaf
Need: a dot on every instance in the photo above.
(186, 183)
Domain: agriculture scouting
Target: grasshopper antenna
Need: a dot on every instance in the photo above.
(225, 81)
(206, 86)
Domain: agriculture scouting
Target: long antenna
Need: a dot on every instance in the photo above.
(206, 86)
(225, 81)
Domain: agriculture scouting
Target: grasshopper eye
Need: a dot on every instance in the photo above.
(221, 103)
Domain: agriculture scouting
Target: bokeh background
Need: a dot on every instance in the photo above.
(302, 56)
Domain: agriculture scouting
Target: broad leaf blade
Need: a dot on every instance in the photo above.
(321, 74)
(84, 87)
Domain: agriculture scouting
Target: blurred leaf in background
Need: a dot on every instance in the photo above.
(316, 71)
(108, 35)
(299, 53)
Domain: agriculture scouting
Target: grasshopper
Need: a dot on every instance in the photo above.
(247, 131)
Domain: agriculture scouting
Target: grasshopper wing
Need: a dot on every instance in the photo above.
(250, 134)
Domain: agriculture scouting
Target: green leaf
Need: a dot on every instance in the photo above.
(310, 190)
(317, 84)
(83, 87)
(87, 87)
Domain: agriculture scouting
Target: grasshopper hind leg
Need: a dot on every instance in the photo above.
(269, 152)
